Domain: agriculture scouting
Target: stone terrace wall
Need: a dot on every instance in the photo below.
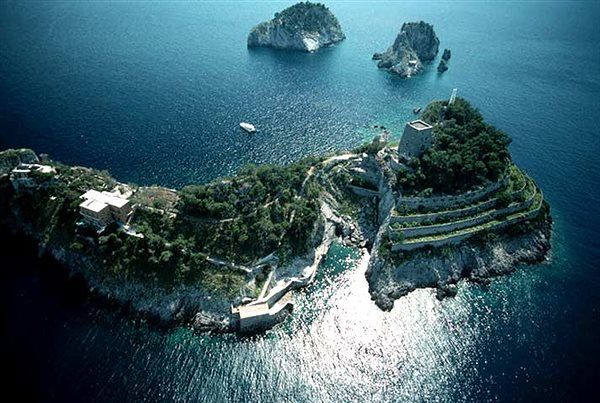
(456, 225)
(456, 239)
(360, 191)
(452, 201)
(445, 215)
(453, 214)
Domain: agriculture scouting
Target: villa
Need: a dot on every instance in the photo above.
(103, 208)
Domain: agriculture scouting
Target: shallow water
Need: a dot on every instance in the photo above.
(154, 93)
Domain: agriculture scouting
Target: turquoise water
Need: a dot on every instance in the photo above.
(154, 91)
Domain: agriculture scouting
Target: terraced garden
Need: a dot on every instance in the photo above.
(517, 201)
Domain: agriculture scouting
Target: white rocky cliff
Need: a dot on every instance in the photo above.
(304, 26)
(416, 43)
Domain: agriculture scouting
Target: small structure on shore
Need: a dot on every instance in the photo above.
(262, 314)
(23, 176)
(417, 137)
(103, 208)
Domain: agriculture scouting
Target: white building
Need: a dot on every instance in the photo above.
(417, 137)
(21, 177)
(102, 208)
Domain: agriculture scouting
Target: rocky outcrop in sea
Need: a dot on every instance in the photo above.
(416, 43)
(304, 26)
(443, 66)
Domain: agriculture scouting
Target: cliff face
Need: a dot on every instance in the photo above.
(416, 43)
(303, 26)
(180, 305)
(390, 280)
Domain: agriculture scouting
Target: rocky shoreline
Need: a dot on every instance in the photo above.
(388, 279)
(442, 269)
(183, 305)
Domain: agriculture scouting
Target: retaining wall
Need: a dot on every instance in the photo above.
(457, 225)
(456, 239)
(453, 214)
(445, 215)
(360, 191)
(452, 201)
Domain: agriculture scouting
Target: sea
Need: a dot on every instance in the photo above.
(154, 91)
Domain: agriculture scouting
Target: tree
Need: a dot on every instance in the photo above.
(467, 152)
(503, 199)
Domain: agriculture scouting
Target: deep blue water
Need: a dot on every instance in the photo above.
(154, 92)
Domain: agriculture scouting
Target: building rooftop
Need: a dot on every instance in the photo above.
(105, 197)
(419, 125)
(46, 169)
(94, 205)
(26, 168)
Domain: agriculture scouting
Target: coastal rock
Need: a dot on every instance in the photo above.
(304, 26)
(443, 66)
(357, 199)
(146, 300)
(416, 43)
(389, 280)
(446, 55)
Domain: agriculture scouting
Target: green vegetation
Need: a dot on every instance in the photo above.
(263, 210)
(517, 179)
(503, 199)
(518, 189)
(385, 246)
(40, 177)
(156, 197)
(306, 16)
(11, 158)
(349, 204)
(250, 216)
(54, 210)
(467, 152)
(363, 183)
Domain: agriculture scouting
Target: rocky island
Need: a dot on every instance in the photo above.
(416, 43)
(443, 66)
(304, 26)
(444, 204)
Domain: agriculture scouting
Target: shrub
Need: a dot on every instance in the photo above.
(503, 199)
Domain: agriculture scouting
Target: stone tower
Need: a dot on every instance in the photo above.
(417, 137)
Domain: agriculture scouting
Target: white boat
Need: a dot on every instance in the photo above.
(249, 127)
